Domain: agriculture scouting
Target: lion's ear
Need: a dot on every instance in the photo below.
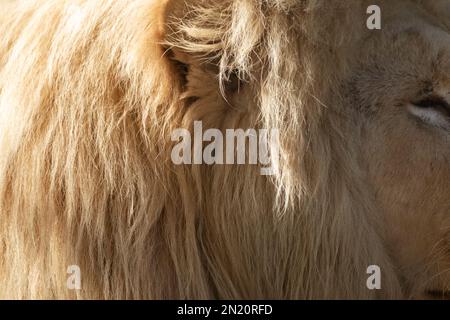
(170, 56)
(204, 49)
(150, 56)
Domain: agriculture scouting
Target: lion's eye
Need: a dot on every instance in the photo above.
(433, 102)
(433, 110)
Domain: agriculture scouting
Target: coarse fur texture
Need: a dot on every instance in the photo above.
(90, 92)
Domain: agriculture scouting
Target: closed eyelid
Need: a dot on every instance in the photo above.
(432, 101)
(434, 111)
(436, 102)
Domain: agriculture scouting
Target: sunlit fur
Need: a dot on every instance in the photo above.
(90, 92)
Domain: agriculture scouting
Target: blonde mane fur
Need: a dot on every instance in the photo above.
(90, 92)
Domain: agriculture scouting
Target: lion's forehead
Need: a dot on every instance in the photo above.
(414, 39)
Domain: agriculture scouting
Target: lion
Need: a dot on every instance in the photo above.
(91, 90)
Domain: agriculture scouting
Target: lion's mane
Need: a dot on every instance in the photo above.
(89, 94)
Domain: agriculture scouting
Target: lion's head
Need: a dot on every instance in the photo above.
(90, 92)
